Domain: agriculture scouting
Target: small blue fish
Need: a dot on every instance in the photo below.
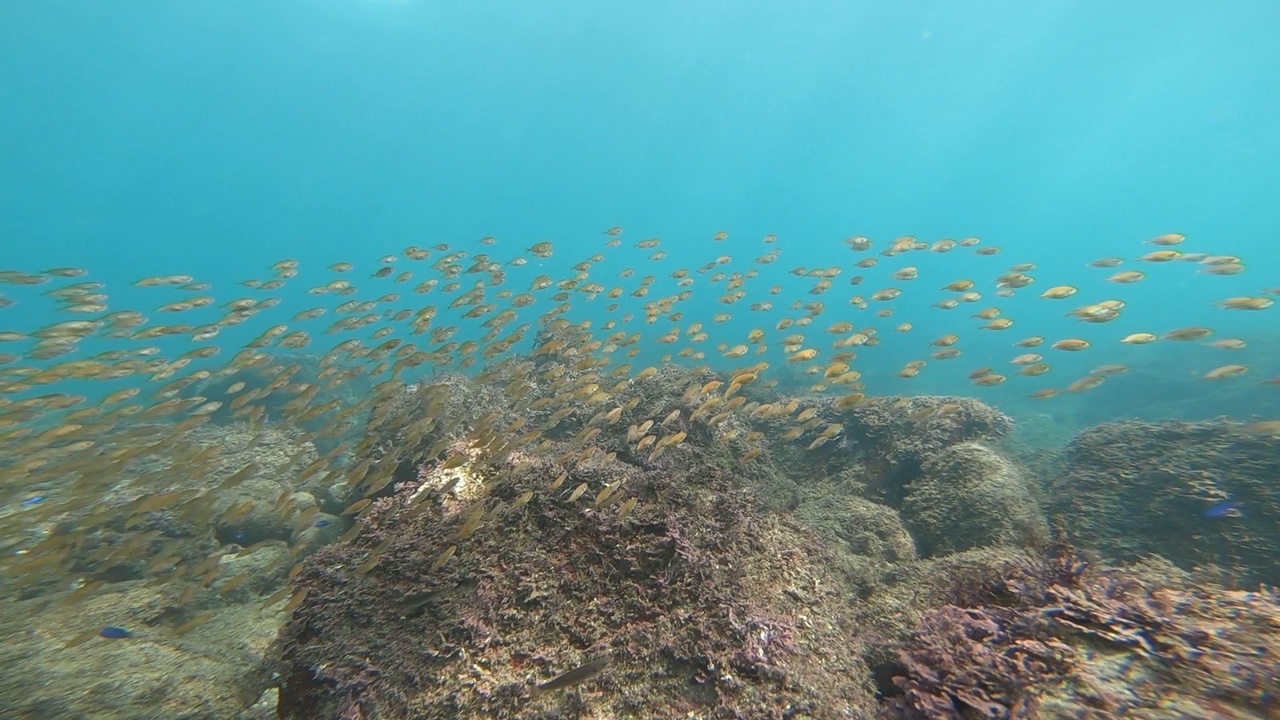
(33, 501)
(322, 523)
(1224, 509)
(115, 633)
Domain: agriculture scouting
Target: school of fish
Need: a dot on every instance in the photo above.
(79, 422)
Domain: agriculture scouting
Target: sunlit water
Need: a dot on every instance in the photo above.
(216, 139)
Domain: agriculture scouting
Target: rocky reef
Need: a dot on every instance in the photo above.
(1056, 638)
(691, 583)
(184, 583)
(970, 496)
(892, 439)
(176, 658)
(778, 557)
(1202, 494)
(697, 602)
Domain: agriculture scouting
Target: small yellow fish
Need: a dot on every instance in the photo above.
(1071, 344)
(1058, 292)
(1189, 333)
(1086, 383)
(1226, 371)
(1129, 276)
(444, 557)
(1247, 303)
(1167, 239)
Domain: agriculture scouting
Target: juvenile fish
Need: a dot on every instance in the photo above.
(580, 674)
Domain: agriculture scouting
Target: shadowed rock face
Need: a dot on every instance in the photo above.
(1132, 489)
(970, 496)
(895, 437)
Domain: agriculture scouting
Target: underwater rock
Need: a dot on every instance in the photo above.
(113, 541)
(278, 452)
(335, 497)
(865, 537)
(255, 570)
(702, 604)
(264, 708)
(1057, 639)
(420, 417)
(247, 516)
(894, 608)
(211, 671)
(1132, 489)
(322, 530)
(914, 429)
(970, 496)
(890, 439)
(970, 662)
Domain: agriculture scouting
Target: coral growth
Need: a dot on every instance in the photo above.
(1059, 639)
(915, 428)
(990, 663)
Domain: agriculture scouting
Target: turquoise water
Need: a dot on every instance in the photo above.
(226, 136)
(138, 140)
(214, 139)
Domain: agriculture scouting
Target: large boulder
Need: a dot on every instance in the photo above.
(169, 667)
(697, 603)
(971, 496)
(1198, 493)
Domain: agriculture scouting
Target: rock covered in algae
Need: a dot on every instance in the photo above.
(1131, 489)
(189, 606)
(886, 441)
(701, 606)
(1058, 639)
(968, 496)
(60, 666)
(217, 505)
(865, 538)
(895, 436)
(322, 530)
(894, 608)
(878, 444)
(458, 604)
